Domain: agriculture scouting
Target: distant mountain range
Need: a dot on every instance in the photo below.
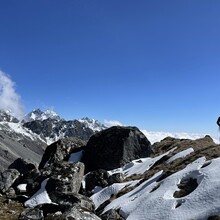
(28, 138)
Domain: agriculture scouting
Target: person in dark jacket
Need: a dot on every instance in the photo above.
(218, 121)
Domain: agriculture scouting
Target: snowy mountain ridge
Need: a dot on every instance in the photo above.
(93, 124)
(38, 129)
(40, 115)
(60, 128)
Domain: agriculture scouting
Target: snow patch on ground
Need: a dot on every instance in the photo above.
(181, 154)
(139, 166)
(22, 187)
(105, 194)
(40, 197)
(144, 203)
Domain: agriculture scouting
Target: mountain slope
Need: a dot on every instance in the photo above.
(16, 141)
(182, 182)
(28, 138)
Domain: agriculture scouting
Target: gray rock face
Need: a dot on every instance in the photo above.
(79, 213)
(31, 214)
(111, 215)
(65, 179)
(6, 117)
(14, 145)
(60, 151)
(7, 178)
(96, 178)
(114, 147)
(52, 129)
(116, 178)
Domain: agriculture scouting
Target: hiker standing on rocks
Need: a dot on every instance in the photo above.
(218, 123)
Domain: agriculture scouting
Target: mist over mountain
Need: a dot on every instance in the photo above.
(10, 100)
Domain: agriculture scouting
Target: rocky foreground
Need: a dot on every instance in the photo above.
(117, 174)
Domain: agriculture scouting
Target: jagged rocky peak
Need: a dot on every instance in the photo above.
(51, 127)
(40, 115)
(93, 124)
(6, 116)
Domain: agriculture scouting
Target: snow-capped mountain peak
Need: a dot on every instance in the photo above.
(40, 115)
(93, 124)
(6, 116)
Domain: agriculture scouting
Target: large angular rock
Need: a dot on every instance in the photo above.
(96, 178)
(65, 180)
(60, 150)
(114, 147)
(7, 178)
(24, 166)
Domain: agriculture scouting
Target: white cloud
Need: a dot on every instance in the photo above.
(9, 99)
(110, 123)
(153, 136)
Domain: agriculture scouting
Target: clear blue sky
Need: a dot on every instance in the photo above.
(150, 63)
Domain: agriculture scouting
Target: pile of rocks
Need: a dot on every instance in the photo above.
(70, 169)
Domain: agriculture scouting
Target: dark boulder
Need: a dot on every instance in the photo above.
(29, 175)
(24, 166)
(96, 178)
(60, 150)
(114, 147)
(49, 208)
(116, 178)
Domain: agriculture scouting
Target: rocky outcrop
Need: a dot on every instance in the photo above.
(5, 116)
(55, 129)
(96, 178)
(168, 143)
(7, 178)
(60, 151)
(24, 166)
(65, 180)
(114, 147)
(60, 189)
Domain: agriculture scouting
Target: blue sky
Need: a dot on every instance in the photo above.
(150, 63)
